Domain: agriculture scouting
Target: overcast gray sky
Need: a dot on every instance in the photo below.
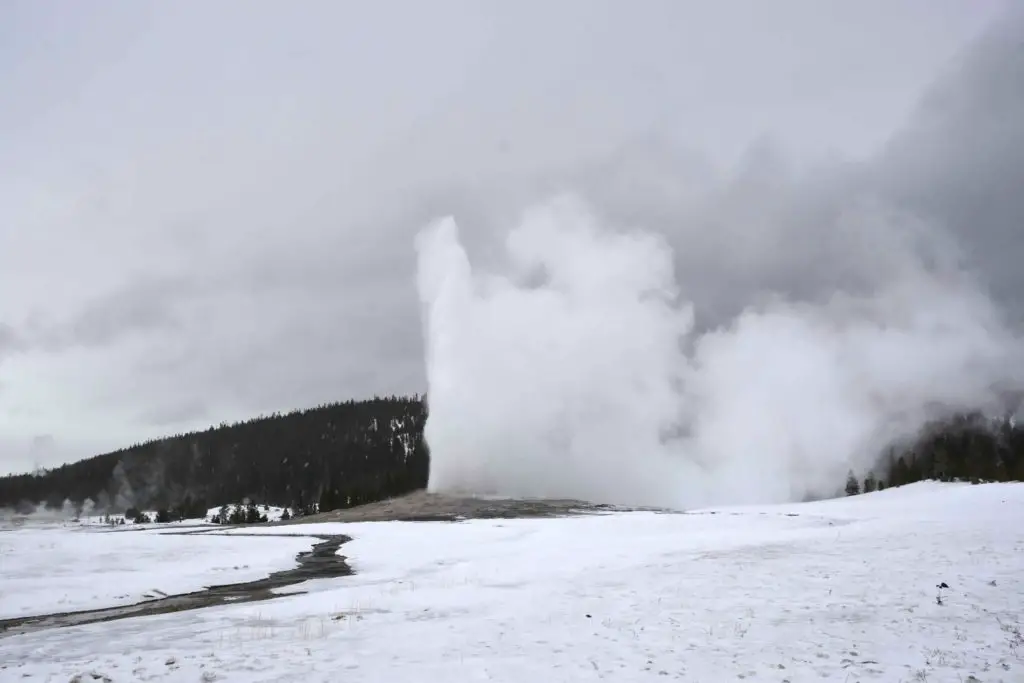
(207, 209)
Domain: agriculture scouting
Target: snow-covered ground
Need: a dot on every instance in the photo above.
(839, 590)
(63, 568)
(272, 513)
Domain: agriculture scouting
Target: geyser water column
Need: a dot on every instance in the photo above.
(556, 378)
(565, 376)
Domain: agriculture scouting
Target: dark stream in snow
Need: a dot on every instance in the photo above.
(321, 562)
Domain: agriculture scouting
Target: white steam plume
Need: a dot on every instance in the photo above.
(579, 373)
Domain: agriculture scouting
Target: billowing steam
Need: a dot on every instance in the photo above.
(665, 334)
(578, 371)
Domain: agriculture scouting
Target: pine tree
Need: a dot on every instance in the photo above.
(328, 499)
(852, 485)
(900, 474)
(238, 515)
(252, 514)
(869, 483)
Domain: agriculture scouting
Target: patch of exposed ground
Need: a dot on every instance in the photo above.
(421, 506)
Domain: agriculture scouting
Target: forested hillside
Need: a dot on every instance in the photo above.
(346, 454)
(340, 455)
(964, 447)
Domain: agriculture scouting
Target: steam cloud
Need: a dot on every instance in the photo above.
(579, 372)
(666, 335)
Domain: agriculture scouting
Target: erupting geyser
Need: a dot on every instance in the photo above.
(577, 371)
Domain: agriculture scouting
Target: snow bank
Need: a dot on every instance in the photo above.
(840, 590)
(63, 569)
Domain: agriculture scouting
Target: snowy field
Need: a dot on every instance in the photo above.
(839, 590)
(63, 568)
